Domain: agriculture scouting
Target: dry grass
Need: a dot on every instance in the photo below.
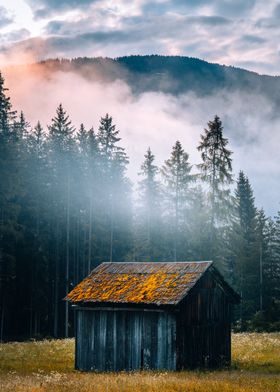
(48, 367)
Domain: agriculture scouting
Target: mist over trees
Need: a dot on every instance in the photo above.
(66, 205)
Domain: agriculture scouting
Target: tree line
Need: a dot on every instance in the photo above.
(67, 204)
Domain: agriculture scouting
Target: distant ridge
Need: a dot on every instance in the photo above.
(168, 74)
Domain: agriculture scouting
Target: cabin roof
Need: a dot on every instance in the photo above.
(160, 283)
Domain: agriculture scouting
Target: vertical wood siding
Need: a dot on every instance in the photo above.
(203, 327)
(112, 340)
(195, 333)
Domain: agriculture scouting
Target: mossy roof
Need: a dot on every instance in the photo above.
(160, 283)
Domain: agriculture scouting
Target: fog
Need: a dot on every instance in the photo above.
(157, 120)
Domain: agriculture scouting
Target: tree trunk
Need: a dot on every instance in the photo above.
(90, 233)
(111, 230)
(176, 219)
(261, 277)
(56, 281)
(2, 321)
(67, 255)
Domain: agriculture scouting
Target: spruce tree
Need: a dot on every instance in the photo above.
(33, 262)
(108, 137)
(38, 137)
(9, 208)
(216, 172)
(93, 155)
(149, 247)
(7, 114)
(116, 187)
(62, 146)
(272, 273)
(82, 138)
(61, 131)
(198, 218)
(246, 250)
(177, 179)
(22, 127)
(261, 236)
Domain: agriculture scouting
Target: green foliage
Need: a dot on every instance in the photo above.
(216, 169)
(177, 193)
(216, 173)
(148, 226)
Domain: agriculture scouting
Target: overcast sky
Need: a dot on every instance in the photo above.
(244, 33)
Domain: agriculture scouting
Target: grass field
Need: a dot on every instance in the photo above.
(48, 366)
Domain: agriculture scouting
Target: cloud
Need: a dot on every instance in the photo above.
(132, 28)
(236, 8)
(213, 20)
(157, 120)
(252, 39)
(222, 31)
(64, 38)
(5, 17)
(15, 35)
(276, 11)
(46, 8)
(24, 52)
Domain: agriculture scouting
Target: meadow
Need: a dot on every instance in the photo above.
(47, 366)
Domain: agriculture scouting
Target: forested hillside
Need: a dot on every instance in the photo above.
(169, 74)
(66, 204)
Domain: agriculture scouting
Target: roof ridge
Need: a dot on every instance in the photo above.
(156, 262)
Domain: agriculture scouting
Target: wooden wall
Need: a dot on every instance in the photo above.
(203, 327)
(113, 340)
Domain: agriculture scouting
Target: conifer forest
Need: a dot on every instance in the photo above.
(67, 204)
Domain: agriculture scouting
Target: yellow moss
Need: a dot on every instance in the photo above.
(136, 288)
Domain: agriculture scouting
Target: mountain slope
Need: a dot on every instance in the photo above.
(169, 74)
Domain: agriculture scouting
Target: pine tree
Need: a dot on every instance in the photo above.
(7, 115)
(7, 144)
(246, 250)
(21, 127)
(61, 131)
(272, 272)
(38, 137)
(115, 185)
(108, 137)
(62, 146)
(93, 155)
(32, 262)
(177, 178)
(216, 171)
(149, 247)
(198, 220)
(9, 209)
(261, 233)
(268, 241)
(82, 138)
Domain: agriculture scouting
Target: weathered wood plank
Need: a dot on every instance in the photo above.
(111, 341)
(197, 335)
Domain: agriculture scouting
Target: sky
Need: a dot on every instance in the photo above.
(243, 33)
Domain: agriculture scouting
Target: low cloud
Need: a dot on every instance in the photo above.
(158, 120)
(24, 52)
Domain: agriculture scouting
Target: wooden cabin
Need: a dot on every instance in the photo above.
(132, 316)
